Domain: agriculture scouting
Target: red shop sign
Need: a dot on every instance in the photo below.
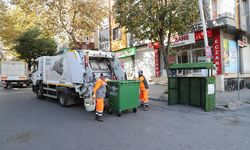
(200, 36)
(217, 50)
(157, 63)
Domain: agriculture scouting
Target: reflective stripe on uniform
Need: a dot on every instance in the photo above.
(99, 113)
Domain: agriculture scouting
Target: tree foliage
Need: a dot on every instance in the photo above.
(77, 18)
(13, 21)
(32, 44)
(157, 20)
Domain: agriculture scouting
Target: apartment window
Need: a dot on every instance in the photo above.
(245, 7)
(104, 39)
(116, 33)
(104, 35)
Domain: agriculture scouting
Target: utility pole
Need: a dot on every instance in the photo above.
(238, 69)
(110, 30)
(204, 27)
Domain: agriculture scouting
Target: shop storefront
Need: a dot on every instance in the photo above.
(224, 54)
(127, 58)
(146, 60)
(191, 49)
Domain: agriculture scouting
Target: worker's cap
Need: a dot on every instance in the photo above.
(140, 72)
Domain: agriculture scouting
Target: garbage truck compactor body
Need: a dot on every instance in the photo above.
(70, 77)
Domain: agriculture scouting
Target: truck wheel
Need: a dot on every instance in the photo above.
(62, 99)
(6, 86)
(39, 91)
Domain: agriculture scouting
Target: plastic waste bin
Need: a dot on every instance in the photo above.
(123, 95)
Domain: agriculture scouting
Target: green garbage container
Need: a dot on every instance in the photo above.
(191, 90)
(123, 95)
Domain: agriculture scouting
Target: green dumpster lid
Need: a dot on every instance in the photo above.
(124, 81)
(201, 65)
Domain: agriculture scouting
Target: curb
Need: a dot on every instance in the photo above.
(157, 99)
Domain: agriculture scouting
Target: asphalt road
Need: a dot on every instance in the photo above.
(27, 123)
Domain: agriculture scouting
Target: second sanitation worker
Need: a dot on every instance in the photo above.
(143, 91)
(99, 94)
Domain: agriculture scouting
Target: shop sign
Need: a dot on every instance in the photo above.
(230, 56)
(217, 51)
(199, 35)
(157, 63)
(125, 52)
(156, 45)
(183, 40)
(211, 89)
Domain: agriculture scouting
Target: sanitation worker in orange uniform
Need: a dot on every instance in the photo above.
(143, 91)
(99, 94)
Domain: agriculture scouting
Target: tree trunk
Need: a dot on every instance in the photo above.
(165, 49)
(29, 65)
(75, 43)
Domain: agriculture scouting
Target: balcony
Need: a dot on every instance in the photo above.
(226, 20)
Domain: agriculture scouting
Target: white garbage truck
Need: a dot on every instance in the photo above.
(70, 77)
(14, 74)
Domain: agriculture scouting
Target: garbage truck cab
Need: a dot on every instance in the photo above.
(70, 77)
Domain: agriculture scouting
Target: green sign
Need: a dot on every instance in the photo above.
(125, 52)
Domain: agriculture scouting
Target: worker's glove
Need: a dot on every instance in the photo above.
(93, 96)
(107, 79)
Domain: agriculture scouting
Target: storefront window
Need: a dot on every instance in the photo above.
(199, 55)
(183, 57)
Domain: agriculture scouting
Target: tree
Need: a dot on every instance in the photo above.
(32, 44)
(157, 20)
(13, 22)
(77, 18)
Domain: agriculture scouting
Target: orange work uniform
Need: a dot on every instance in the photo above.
(143, 90)
(100, 92)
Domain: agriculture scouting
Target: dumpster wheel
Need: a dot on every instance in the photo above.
(119, 113)
(134, 110)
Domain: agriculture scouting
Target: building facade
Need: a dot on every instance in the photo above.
(228, 22)
(134, 55)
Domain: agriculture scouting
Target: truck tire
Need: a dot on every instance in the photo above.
(39, 91)
(62, 99)
(7, 85)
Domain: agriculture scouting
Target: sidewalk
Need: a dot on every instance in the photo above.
(156, 92)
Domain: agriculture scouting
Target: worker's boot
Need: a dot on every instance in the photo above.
(141, 106)
(145, 107)
(98, 118)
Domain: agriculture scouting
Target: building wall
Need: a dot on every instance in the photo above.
(248, 17)
(145, 61)
(224, 7)
(244, 14)
(245, 54)
(121, 42)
